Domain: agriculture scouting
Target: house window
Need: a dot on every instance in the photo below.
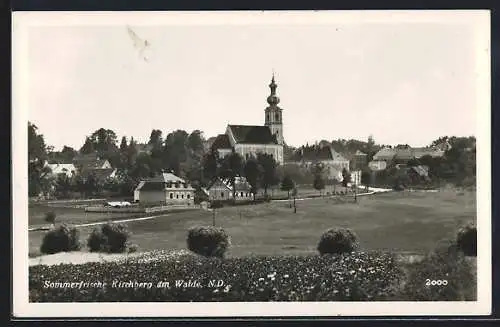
(241, 194)
(182, 196)
(221, 194)
(268, 117)
(277, 117)
(189, 196)
(171, 195)
(177, 196)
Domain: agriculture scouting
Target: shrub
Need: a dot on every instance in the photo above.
(50, 217)
(62, 239)
(467, 239)
(354, 277)
(448, 263)
(337, 240)
(110, 238)
(208, 241)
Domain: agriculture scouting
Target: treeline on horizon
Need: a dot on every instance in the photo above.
(185, 155)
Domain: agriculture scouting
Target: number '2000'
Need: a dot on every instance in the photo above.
(434, 282)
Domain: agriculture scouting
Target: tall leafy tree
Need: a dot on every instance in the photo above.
(175, 151)
(232, 167)
(38, 172)
(269, 171)
(319, 177)
(195, 141)
(366, 176)
(88, 146)
(156, 138)
(287, 184)
(123, 144)
(253, 171)
(131, 153)
(210, 165)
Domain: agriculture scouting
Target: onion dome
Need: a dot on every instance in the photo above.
(273, 99)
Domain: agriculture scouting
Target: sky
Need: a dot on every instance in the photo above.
(404, 83)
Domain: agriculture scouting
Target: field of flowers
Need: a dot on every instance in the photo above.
(360, 276)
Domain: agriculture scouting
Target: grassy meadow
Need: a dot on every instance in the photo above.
(410, 222)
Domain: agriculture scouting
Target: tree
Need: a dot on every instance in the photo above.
(210, 165)
(366, 178)
(88, 146)
(319, 182)
(92, 185)
(38, 172)
(287, 184)
(253, 171)
(131, 154)
(104, 141)
(346, 177)
(63, 186)
(50, 217)
(175, 151)
(269, 171)
(123, 144)
(232, 167)
(195, 141)
(155, 138)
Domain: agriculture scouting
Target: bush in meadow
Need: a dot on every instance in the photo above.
(64, 238)
(50, 217)
(110, 238)
(208, 241)
(337, 240)
(467, 239)
(444, 274)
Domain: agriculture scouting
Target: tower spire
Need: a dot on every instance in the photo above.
(273, 99)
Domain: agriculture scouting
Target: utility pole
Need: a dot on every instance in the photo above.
(355, 191)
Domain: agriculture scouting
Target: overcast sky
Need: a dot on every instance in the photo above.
(401, 82)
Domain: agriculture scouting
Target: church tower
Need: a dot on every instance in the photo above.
(274, 115)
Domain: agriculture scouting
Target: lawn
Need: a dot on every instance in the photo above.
(410, 222)
(69, 215)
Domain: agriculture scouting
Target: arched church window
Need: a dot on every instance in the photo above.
(268, 117)
(277, 117)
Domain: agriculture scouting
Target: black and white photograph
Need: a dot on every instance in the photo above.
(251, 163)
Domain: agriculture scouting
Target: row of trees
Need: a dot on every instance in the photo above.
(185, 155)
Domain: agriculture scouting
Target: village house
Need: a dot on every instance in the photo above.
(92, 164)
(165, 189)
(405, 154)
(57, 169)
(248, 140)
(416, 174)
(91, 161)
(333, 162)
(222, 190)
(359, 160)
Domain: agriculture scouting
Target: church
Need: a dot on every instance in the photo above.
(248, 140)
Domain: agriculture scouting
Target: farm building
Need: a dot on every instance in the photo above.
(165, 189)
(222, 190)
(61, 168)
